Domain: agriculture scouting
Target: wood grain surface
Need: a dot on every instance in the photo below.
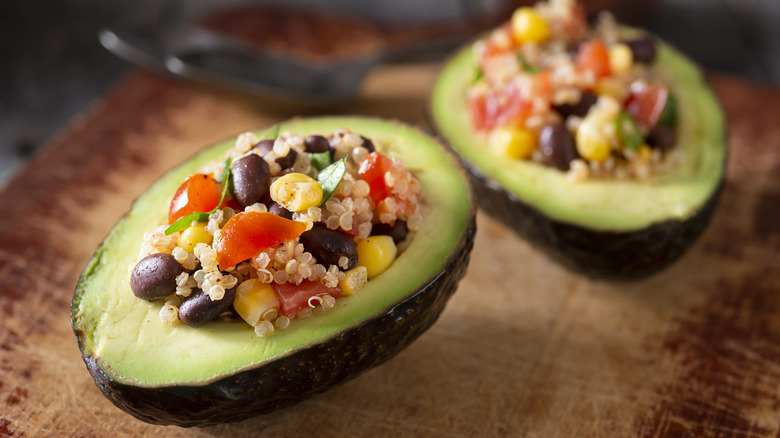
(523, 349)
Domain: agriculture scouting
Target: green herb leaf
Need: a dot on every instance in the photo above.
(275, 133)
(477, 75)
(527, 65)
(628, 131)
(200, 216)
(320, 160)
(186, 221)
(224, 175)
(669, 113)
(330, 177)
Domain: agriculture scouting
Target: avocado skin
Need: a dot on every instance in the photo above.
(598, 254)
(305, 372)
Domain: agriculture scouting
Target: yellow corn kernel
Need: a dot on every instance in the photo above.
(296, 192)
(644, 153)
(254, 300)
(529, 26)
(592, 141)
(621, 59)
(354, 280)
(376, 254)
(194, 235)
(512, 142)
(611, 87)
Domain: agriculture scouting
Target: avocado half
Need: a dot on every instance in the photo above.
(221, 372)
(603, 229)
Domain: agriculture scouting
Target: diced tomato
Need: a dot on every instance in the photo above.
(247, 234)
(593, 56)
(295, 297)
(543, 85)
(646, 104)
(499, 108)
(477, 109)
(199, 193)
(372, 170)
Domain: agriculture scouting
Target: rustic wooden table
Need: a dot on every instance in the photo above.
(524, 348)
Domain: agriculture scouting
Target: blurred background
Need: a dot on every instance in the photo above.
(53, 66)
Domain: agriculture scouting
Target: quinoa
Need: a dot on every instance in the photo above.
(351, 209)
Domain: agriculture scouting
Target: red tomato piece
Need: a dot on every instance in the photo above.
(247, 234)
(199, 193)
(503, 107)
(646, 104)
(478, 111)
(543, 85)
(593, 56)
(295, 297)
(514, 110)
(372, 171)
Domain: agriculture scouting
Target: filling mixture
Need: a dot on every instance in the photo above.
(584, 99)
(279, 228)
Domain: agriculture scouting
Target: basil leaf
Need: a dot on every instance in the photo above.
(526, 65)
(200, 216)
(628, 131)
(330, 177)
(669, 113)
(225, 171)
(185, 222)
(275, 134)
(320, 160)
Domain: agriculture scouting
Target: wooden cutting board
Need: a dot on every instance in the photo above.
(524, 348)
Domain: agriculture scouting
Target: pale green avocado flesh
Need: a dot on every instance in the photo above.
(608, 205)
(131, 345)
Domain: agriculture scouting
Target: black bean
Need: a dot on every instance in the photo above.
(288, 160)
(315, 144)
(278, 210)
(397, 231)
(368, 144)
(662, 137)
(580, 108)
(251, 179)
(643, 49)
(557, 146)
(328, 246)
(266, 146)
(199, 308)
(154, 277)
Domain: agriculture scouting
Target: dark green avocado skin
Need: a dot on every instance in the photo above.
(290, 379)
(597, 254)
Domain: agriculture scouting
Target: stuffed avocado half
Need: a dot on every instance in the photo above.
(618, 228)
(167, 372)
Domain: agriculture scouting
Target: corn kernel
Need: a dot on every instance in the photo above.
(611, 87)
(512, 142)
(592, 141)
(645, 153)
(354, 280)
(529, 26)
(254, 299)
(621, 59)
(194, 235)
(376, 254)
(296, 192)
